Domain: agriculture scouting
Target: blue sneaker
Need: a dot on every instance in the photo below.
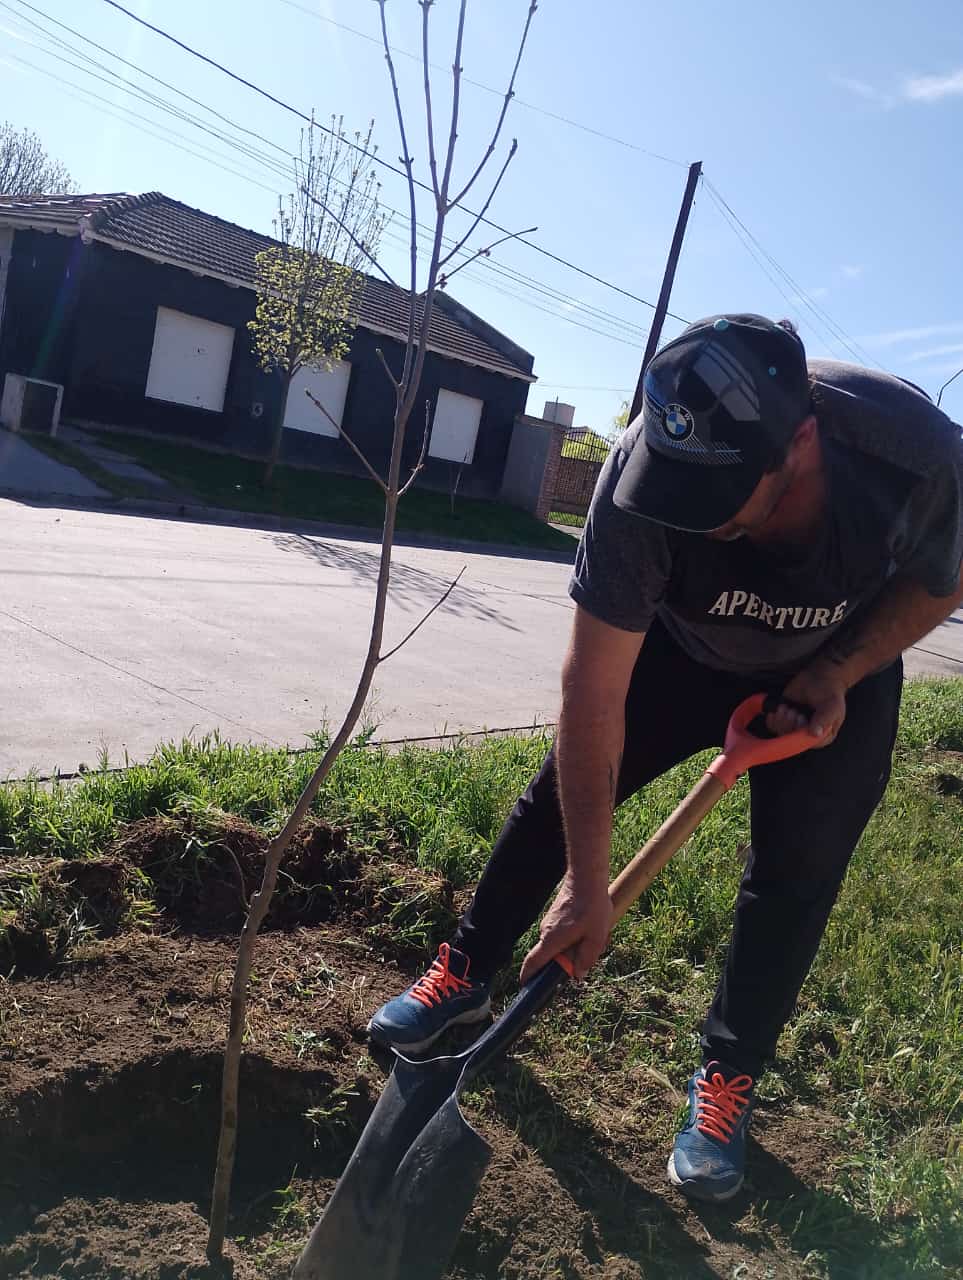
(708, 1160)
(443, 997)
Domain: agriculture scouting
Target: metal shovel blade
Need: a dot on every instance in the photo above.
(399, 1205)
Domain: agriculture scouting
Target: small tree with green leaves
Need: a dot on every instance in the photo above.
(309, 284)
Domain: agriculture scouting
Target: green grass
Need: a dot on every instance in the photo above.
(566, 517)
(875, 1045)
(590, 445)
(224, 480)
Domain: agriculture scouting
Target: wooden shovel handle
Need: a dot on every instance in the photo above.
(743, 750)
(634, 879)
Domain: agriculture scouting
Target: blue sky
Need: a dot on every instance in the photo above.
(832, 131)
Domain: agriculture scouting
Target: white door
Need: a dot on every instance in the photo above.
(190, 361)
(330, 387)
(455, 427)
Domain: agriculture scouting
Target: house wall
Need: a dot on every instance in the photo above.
(43, 281)
(85, 316)
(532, 466)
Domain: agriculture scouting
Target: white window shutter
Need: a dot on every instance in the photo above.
(190, 361)
(454, 430)
(330, 387)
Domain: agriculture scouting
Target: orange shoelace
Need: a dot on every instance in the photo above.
(439, 981)
(720, 1104)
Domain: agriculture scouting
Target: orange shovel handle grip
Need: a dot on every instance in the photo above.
(744, 750)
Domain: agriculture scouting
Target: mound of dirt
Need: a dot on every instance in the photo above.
(103, 1239)
(109, 1099)
(203, 870)
(198, 871)
(55, 903)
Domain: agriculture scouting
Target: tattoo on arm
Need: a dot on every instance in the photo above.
(614, 773)
(845, 646)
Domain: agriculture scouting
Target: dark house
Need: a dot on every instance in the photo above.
(138, 307)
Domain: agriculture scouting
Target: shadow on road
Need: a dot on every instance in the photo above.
(412, 589)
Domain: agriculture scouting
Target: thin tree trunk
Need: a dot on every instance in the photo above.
(406, 391)
(261, 901)
(277, 434)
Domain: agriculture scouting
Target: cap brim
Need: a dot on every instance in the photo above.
(696, 499)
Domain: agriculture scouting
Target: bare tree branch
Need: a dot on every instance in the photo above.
(311, 1263)
(421, 457)
(414, 368)
(455, 103)
(504, 111)
(348, 441)
(491, 195)
(432, 159)
(412, 200)
(481, 253)
(384, 364)
(437, 605)
(358, 244)
(25, 167)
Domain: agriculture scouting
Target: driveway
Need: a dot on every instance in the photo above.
(26, 470)
(121, 631)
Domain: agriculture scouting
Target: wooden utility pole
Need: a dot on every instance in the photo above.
(662, 306)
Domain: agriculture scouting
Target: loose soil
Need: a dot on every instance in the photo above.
(109, 1084)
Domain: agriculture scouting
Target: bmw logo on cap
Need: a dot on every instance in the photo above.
(677, 422)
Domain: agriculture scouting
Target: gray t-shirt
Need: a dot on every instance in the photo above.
(894, 467)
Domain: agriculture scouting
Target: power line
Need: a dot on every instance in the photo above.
(150, 100)
(835, 329)
(761, 262)
(84, 95)
(549, 292)
(125, 115)
(530, 302)
(133, 65)
(518, 102)
(286, 106)
(747, 244)
(137, 91)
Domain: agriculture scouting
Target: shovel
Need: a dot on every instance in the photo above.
(399, 1205)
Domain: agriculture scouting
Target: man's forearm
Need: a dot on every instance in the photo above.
(589, 757)
(903, 613)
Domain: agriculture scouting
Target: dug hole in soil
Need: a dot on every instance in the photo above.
(110, 1060)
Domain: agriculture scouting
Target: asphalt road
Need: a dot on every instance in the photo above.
(120, 631)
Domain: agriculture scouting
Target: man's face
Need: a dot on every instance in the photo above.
(802, 455)
(762, 502)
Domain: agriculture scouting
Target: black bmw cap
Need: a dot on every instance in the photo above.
(721, 403)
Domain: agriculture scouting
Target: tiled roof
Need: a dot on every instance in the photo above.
(57, 208)
(159, 227)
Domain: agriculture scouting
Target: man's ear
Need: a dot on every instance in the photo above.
(804, 437)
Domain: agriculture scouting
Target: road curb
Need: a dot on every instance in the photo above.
(192, 512)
